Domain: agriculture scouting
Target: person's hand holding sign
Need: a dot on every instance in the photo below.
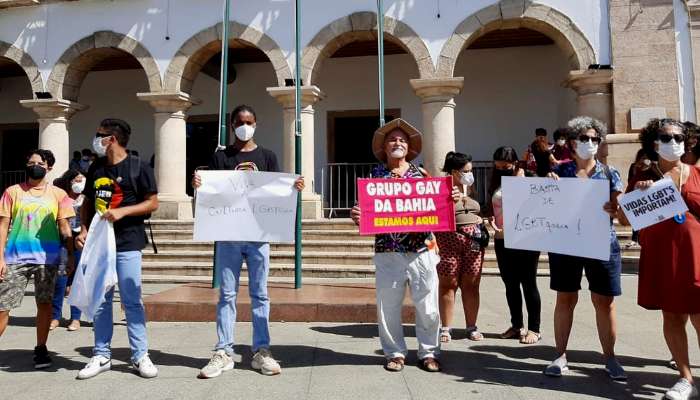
(355, 214)
(456, 194)
(643, 185)
(196, 180)
(299, 184)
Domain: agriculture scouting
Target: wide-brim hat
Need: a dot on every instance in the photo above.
(415, 139)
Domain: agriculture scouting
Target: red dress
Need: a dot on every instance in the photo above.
(669, 265)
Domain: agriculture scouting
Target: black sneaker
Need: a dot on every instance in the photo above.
(41, 357)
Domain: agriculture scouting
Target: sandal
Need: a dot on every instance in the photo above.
(54, 324)
(530, 337)
(429, 364)
(445, 336)
(474, 334)
(394, 364)
(511, 333)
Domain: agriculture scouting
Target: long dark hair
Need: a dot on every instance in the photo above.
(503, 153)
(64, 181)
(455, 161)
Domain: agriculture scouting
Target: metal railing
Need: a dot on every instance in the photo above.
(9, 178)
(339, 187)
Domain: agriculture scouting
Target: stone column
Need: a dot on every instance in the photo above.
(310, 95)
(54, 115)
(437, 97)
(595, 99)
(171, 153)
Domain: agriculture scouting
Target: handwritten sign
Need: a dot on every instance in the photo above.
(562, 216)
(245, 206)
(660, 202)
(406, 205)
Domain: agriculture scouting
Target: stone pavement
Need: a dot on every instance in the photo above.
(341, 361)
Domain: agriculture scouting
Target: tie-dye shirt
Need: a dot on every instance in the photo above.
(34, 213)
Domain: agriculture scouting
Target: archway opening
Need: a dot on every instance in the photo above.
(19, 132)
(346, 119)
(512, 85)
(250, 73)
(106, 80)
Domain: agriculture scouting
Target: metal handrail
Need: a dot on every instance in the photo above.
(9, 178)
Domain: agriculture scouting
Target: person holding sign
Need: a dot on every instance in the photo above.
(603, 276)
(462, 251)
(243, 155)
(404, 258)
(669, 264)
(518, 268)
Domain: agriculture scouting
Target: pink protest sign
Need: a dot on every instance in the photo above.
(406, 205)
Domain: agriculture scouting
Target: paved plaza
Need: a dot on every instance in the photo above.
(342, 361)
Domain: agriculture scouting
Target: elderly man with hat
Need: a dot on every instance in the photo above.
(404, 258)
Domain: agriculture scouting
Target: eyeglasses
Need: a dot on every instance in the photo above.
(665, 138)
(102, 134)
(586, 138)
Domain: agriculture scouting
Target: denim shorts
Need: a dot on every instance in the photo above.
(603, 276)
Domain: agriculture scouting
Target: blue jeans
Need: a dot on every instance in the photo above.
(129, 280)
(62, 282)
(229, 259)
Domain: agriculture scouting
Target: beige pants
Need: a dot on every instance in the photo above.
(394, 272)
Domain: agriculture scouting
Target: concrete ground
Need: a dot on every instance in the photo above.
(339, 361)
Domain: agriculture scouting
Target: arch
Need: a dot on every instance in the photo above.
(25, 61)
(197, 50)
(75, 63)
(508, 14)
(359, 26)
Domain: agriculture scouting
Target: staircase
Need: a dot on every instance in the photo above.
(331, 248)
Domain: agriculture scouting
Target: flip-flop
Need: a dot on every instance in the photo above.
(511, 333)
(537, 337)
(429, 364)
(445, 335)
(395, 364)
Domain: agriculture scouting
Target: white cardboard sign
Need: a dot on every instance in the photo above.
(245, 206)
(660, 202)
(562, 216)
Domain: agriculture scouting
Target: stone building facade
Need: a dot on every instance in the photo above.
(66, 64)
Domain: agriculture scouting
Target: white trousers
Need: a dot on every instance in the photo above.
(394, 272)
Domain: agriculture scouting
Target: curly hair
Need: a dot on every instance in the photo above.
(650, 133)
(580, 125)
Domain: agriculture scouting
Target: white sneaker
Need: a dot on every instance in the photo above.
(96, 366)
(219, 363)
(146, 368)
(263, 361)
(682, 390)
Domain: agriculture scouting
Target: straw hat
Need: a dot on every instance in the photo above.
(415, 139)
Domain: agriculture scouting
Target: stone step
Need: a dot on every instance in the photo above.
(334, 224)
(359, 245)
(310, 234)
(277, 257)
(201, 268)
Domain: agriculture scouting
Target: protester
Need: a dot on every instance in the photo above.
(692, 136)
(544, 159)
(243, 155)
(562, 148)
(643, 168)
(603, 276)
(669, 264)
(461, 252)
(403, 259)
(518, 268)
(37, 213)
(86, 160)
(73, 182)
(529, 159)
(75, 161)
(122, 189)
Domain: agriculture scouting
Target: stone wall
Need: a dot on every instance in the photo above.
(644, 57)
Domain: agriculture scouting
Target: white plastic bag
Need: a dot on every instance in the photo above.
(96, 273)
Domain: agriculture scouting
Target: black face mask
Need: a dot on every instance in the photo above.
(500, 173)
(36, 172)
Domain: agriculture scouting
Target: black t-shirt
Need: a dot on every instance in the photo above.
(112, 186)
(259, 159)
(543, 162)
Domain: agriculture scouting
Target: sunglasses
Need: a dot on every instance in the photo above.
(586, 138)
(665, 138)
(102, 135)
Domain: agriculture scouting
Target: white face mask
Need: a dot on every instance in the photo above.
(244, 132)
(561, 142)
(99, 148)
(671, 151)
(78, 187)
(398, 153)
(466, 178)
(586, 151)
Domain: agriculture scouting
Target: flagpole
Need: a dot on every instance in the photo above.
(297, 141)
(380, 57)
(223, 106)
